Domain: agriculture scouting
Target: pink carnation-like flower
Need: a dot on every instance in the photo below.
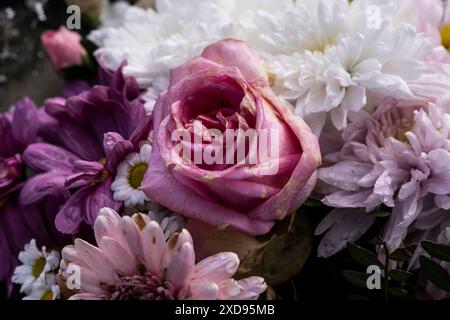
(134, 261)
(64, 47)
(398, 157)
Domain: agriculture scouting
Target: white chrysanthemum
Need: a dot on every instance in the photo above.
(130, 174)
(36, 265)
(169, 221)
(335, 58)
(153, 42)
(112, 13)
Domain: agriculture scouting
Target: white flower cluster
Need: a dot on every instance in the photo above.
(170, 222)
(37, 274)
(332, 59)
(155, 41)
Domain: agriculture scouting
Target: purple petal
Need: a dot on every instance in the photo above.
(25, 123)
(18, 232)
(99, 198)
(116, 148)
(80, 141)
(75, 87)
(70, 216)
(87, 172)
(47, 157)
(41, 186)
(5, 254)
(144, 121)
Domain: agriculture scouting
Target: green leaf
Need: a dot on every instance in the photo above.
(398, 292)
(358, 279)
(399, 275)
(363, 256)
(400, 255)
(380, 214)
(437, 250)
(310, 202)
(378, 241)
(435, 273)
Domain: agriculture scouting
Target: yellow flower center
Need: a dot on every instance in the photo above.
(402, 127)
(445, 36)
(105, 173)
(136, 175)
(48, 295)
(38, 267)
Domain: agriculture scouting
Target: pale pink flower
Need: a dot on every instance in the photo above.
(133, 261)
(399, 157)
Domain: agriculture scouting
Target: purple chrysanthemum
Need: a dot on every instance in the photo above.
(20, 127)
(92, 132)
(398, 157)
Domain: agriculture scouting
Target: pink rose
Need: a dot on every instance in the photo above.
(227, 88)
(63, 47)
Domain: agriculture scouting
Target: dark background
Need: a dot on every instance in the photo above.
(24, 67)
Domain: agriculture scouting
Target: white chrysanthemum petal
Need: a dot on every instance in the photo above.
(323, 49)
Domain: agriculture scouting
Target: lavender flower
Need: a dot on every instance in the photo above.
(92, 133)
(399, 157)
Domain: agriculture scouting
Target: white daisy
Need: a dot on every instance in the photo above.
(130, 174)
(335, 60)
(36, 265)
(44, 291)
(169, 221)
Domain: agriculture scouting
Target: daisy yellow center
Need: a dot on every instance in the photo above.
(38, 267)
(445, 36)
(136, 175)
(48, 295)
(105, 174)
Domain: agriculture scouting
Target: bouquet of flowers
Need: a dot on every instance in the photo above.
(193, 163)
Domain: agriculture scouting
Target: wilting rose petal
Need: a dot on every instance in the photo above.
(227, 88)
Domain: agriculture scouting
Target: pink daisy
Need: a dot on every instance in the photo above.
(134, 261)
